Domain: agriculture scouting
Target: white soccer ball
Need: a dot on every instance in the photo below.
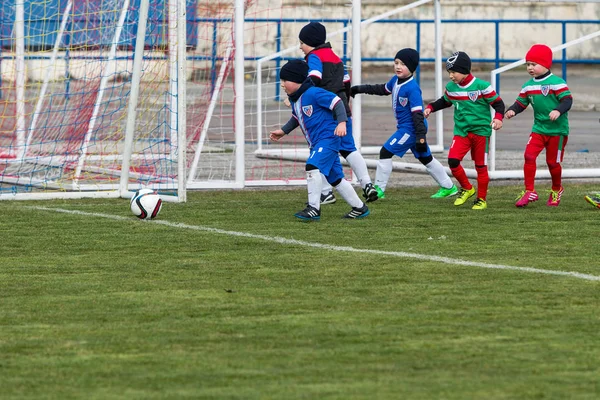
(145, 204)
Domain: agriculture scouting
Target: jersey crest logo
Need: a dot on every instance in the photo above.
(403, 101)
(545, 90)
(473, 96)
(308, 110)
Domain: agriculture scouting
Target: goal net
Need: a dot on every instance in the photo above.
(76, 119)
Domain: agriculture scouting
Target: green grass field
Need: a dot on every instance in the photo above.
(229, 297)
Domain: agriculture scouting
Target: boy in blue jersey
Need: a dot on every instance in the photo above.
(411, 127)
(327, 71)
(322, 117)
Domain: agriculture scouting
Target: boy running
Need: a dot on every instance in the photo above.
(471, 98)
(322, 117)
(550, 98)
(327, 71)
(411, 127)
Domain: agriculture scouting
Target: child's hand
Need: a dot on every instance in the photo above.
(340, 129)
(276, 134)
(509, 114)
(287, 103)
(496, 124)
(554, 115)
(426, 112)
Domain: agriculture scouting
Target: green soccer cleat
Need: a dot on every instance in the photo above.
(380, 193)
(593, 199)
(443, 192)
(464, 195)
(480, 204)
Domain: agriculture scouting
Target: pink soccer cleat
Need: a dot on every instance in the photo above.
(526, 197)
(554, 199)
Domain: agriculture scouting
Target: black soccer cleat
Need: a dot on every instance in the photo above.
(370, 193)
(358, 212)
(309, 214)
(328, 198)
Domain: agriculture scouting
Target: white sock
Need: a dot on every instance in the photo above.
(438, 173)
(359, 166)
(347, 192)
(314, 183)
(326, 187)
(384, 170)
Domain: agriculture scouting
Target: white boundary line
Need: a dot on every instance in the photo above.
(276, 239)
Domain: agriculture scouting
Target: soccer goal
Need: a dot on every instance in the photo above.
(93, 97)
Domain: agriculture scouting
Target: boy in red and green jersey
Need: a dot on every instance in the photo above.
(473, 124)
(551, 100)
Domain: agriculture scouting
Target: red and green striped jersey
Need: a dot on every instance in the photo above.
(471, 106)
(544, 95)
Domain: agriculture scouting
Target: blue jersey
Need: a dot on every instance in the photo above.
(406, 99)
(313, 111)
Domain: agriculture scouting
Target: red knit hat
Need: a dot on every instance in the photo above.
(540, 54)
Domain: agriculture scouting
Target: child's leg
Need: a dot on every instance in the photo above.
(326, 188)
(437, 171)
(460, 146)
(344, 188)
(349, 151)
(535, 145)
(479, 152)
(348, 193)
(555, 146)
(397, 144)
(359, 166)
(314, 182)
(384, 168)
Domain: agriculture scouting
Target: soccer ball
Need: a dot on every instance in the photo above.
(145, 204)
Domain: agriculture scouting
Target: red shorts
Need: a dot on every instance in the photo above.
(479, 146)
(554, 145)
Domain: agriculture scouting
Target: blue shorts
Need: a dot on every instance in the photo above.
(327, 159)
(348, 140)
(400, 142)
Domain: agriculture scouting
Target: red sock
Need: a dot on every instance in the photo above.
(556, 174)
(461, 177)
(483, 179)
(529, 173)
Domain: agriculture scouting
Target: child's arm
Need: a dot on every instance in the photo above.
(339, 113)
(518, 106)
(564, 105)
(285, 129)
(378, 90)
(498, 106)
(437, 105)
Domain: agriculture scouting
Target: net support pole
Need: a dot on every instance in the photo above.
(181, 100)
(439, 117)
(356, 72)
(239, 92)
(51, 65)
(211, 108)
(173, 70)
(133, 96)
(21, 73)
(103, 82)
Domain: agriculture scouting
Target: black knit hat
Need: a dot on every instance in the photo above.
(313, 34)
(459, 62)
(410, 58)
(294, 71)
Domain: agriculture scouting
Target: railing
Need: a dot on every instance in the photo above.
(564, 61)
(343, 53)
